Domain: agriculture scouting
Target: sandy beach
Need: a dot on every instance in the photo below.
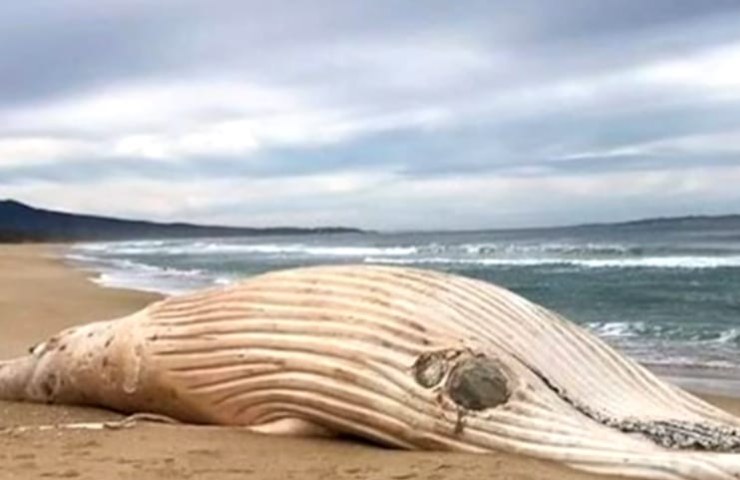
(39, 295)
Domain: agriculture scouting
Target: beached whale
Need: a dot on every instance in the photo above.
(404, 357)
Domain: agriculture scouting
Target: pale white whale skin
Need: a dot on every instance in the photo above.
(409, 358)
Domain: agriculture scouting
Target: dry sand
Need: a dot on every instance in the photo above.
(39, 295)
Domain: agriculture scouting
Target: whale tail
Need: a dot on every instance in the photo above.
(15, 376)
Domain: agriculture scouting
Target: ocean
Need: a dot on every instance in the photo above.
(666, 293)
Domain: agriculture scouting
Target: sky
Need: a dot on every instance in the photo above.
(387, 114)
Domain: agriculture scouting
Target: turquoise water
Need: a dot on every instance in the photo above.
(664, 295)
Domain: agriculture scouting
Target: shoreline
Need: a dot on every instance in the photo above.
(709, 381)
(41, 294)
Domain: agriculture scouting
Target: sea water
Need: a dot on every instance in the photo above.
(665, 294)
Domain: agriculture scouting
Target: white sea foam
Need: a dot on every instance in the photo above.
(730, 336)
(77, 257)
(124, 273)
(570, 249)
(615, 329)
(586, 255)
(217, 248)
(676, 262)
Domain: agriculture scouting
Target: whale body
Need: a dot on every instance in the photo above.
(408, 358)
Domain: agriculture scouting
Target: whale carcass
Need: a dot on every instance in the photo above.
(409, 358)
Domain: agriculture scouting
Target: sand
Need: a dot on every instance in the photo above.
(39, 295)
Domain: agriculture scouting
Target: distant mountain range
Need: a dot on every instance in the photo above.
(693, 222)
(22, 223)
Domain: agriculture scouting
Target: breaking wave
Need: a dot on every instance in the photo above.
(676, 262)
(585, 255)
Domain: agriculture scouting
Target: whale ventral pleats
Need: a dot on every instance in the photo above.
(474, 382)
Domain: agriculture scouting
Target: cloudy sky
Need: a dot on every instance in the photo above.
(384, 114)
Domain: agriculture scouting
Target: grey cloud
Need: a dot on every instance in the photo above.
(530, 147)
(467, 60)
(57, 48)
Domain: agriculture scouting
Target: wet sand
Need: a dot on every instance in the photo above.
(39, 295)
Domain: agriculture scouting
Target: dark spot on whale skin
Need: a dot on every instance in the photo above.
(51, 344)
(105, 361)
(477, 383)
(48, 387)
(63, 347)
(418, 327)
(108, 342)
(430, 368)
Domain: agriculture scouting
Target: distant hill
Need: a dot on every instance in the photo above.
(722, 223)
(692, 222)
(22, 223)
